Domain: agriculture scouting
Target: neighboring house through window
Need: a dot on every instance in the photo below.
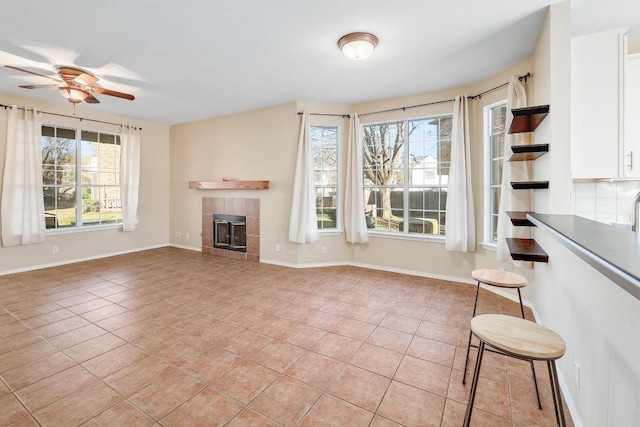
(495, 119)
(81, 177)
(406, 171)
(324, 151)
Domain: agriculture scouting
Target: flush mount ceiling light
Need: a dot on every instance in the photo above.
(358, 45)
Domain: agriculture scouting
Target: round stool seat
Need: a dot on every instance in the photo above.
(503, 279)
(518, 337)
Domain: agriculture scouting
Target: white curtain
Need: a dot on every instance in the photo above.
(513, 200)
(303, 226)
(22, 210)
(355, 224)
(129, 176)
(461, 228)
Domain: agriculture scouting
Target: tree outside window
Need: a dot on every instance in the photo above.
(406, 168)
(81, 177)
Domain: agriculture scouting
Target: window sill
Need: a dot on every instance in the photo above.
(332, 232)
(72, 230)
(433, 238)
(490, 246)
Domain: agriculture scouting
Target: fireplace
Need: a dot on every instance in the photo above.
(238, 231)
(230, 232)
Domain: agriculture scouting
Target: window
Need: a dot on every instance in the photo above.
(406, 170)
(324, 150)
(81, 177)
(496, 121)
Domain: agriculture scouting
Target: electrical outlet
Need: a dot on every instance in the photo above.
(277, 247)
(54, 249)
(576, 373)
(324, 250)
(186, 236)
(176, 234)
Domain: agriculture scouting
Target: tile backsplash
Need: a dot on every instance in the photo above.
(605, 201)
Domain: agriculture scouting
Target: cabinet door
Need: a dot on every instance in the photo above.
(597, 71)
(632, 118)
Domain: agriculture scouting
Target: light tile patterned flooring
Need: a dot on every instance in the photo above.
(172, 337)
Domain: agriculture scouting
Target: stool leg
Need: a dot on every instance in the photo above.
(556, 393)
(466, 360)
(533, 371)
(535, 383)
(521, 306)
(474, 385)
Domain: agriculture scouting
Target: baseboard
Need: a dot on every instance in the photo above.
(498, 291)
(300, 266)
(75, 260)
(189, 248)
(565, 390)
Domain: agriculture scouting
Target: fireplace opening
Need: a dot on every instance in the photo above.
(230, 232)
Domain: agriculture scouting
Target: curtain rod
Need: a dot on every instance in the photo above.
(479, 96)
(74, 117)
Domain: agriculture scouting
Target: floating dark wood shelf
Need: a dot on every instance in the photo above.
(519, 219)
(530, 185)
(229, 185)
(519, 153)
(527, 119)
(526, 250)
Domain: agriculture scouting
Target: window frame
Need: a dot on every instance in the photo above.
(406, 234)
(338, 185)
(79, 226)
(488, 240)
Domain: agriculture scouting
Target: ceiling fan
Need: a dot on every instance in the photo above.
(74, 84)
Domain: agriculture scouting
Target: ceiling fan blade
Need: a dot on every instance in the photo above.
(109, 92)
(86, 79)
(32, 72)
(91, 99)
(38, 86)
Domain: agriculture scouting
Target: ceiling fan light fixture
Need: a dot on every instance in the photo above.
(358, 45)
(74, 95)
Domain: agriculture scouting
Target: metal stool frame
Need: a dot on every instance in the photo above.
(553, 377)
(469, 345)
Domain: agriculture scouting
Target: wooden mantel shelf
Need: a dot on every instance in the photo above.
(229, 185)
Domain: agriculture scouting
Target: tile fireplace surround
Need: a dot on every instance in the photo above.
(249, 208)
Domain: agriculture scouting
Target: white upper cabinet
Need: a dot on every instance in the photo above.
(631, 160)
(597, 101)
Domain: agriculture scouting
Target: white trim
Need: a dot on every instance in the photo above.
(82, 229)
(434, 238)
(189, 248)
(490, 246)
(75, 260)
(563, 385)
(488, 164)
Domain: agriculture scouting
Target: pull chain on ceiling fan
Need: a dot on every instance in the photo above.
(74, 84)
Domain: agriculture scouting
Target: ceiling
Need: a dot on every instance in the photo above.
(190, 60)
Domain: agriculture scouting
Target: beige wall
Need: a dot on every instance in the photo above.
(254, 145)
(153, 211)
(261, 145)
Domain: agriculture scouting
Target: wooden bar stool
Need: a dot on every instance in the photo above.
(500, 279)
(523, 340)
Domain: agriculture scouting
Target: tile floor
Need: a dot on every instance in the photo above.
(172, 337)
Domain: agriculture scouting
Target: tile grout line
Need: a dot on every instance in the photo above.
(13, 393)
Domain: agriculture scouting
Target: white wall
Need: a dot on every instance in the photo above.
(605, 201)
(597, 319)
(153, 211)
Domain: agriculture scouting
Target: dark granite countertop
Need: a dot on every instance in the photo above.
(612, 251)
